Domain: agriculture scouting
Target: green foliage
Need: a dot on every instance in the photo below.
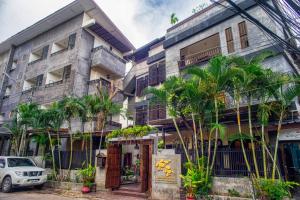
(160, 144)
(88, 175)
(274, 189)
(131, 132)
(195, 181)
(233, 193)
(173, 19)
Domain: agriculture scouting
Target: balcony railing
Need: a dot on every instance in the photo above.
(199, 57)
(54, 83)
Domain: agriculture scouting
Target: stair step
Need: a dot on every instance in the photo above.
(130, 193)
(130, 189)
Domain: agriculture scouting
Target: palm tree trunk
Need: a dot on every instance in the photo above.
(276, 145)
(216, 134)
(71, 149)
(52, 153)
(240, 133)
(208, 156)
(251, 135)
(91, 141)
(196, 141)
(263, 150)
(202, 141)
(272, 159)
(58, 151)
(181, 139)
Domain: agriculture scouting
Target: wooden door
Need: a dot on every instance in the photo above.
(144, 168)
(113, 171)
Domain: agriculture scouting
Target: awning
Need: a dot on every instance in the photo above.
(5, 131)
(290, 135)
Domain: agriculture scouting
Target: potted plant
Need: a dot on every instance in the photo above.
(191, 181)
(88, 178)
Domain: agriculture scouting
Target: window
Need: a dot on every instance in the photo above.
(30, 83)
(71, 42)
(229, 39)
(243, 35)
(67, 72)
(63, 44)
(7, 91)
(141, 115)
(20, 162)
(157, 73)
(13, 65)
(141, 84)
(157, 111)
(2, 163)
(39, 54)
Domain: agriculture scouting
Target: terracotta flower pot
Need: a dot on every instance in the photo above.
(85, 189)
(190, 198)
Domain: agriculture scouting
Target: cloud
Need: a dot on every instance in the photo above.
(140, 20)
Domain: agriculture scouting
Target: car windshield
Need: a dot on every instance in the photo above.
(19, 162)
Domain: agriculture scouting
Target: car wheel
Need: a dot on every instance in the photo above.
(6, 184)
(39, 187)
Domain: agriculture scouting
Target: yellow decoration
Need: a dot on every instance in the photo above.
(162, 165)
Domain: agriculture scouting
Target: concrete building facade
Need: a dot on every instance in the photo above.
(64, 54)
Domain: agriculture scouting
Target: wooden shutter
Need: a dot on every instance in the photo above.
(139, 85)
(153, 75)
(162, 112)
(153, 112)
(67, 72)
(39, 80)
(144, 168)
(145, 84)
(113, 172)
(45, 52)
(229, 39)
(141, 115)
(71, 43)
(243, 35)
(161, 72)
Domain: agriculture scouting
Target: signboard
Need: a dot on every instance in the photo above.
(166, 169)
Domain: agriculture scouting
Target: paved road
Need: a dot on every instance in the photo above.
(31, 194)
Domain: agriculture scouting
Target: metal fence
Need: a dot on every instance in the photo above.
(79, 160)
(230, 162)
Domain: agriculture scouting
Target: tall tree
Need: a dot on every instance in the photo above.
(72, 108)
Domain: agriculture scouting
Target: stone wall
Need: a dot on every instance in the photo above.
(166, 185)
(221, 185)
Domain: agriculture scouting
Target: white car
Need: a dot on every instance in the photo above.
(20, 172)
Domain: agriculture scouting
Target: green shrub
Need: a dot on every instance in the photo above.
(135, 131)
(233, 193)
(274, 189)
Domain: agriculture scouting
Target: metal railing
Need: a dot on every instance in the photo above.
(230, 162)
(80, 159)
(199, 57)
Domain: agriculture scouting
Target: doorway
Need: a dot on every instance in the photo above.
(129, 166)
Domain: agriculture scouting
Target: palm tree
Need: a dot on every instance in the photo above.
(71, 108)
(172, 95)
(251, 81)
(288, 88)
(25, 113)
(173, 19)
(93, 107)
(217, 75)
(107, 107)
(55, 121)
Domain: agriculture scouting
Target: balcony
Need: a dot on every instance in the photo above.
(199, 57)
(108, 61)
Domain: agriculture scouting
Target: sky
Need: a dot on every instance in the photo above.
(140, 20)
